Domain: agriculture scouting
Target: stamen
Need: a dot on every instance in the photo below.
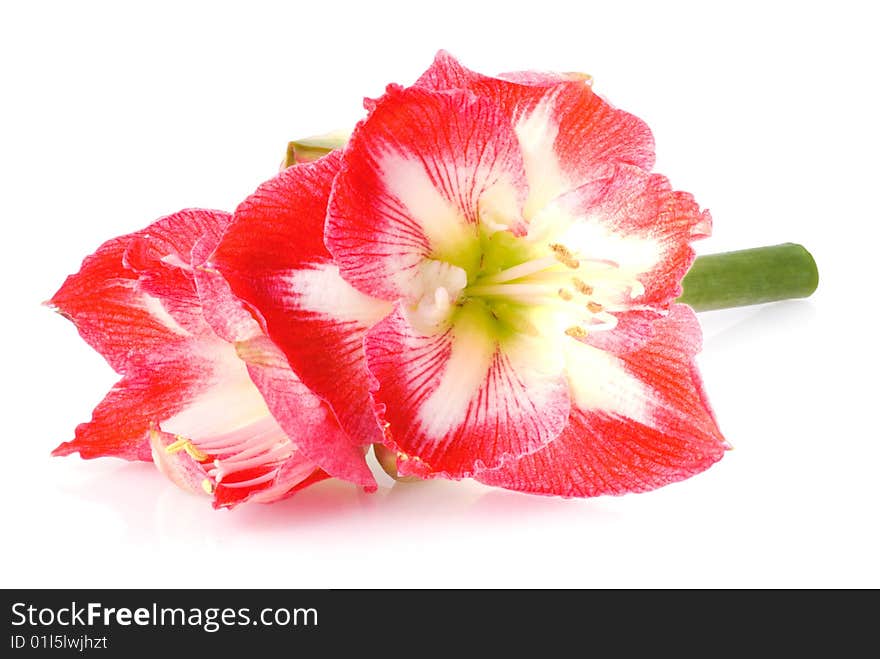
(581, 287)
(564, 256)
(224, 468)
(195, 453)
(509, 290)
(544, 284)
(208, 486)
(178, 445)
(185, 444)
(521, 270)
(246, 454)
(607, 263)
(231, 442)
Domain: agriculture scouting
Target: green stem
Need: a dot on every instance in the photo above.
(750, 276)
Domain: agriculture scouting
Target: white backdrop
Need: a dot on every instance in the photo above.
(768, 112)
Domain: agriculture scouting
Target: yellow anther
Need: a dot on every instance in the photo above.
(195, 453)
(565, 294)
(581, 287)
(564, 256)
(208, 486)
(594, 307)
(178, 445)
(576, 332)
(185, 444)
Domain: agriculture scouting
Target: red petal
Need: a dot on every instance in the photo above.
(446, 72)
(109, 310)
(295, 474)
(420, 173)
(151, 341)
(568, 133)
(229, 317)
(113, 299)
(633, 330)
(601, 452)
(306, 419)
(460, 400)
(288, 482)
(637, 220)
(162, 257)
(154, 389)
(194, 383)
(274, 258)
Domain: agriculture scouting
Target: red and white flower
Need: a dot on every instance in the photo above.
(204, 392)
(494, 285)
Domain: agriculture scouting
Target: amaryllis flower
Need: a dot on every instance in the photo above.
(494, 285)
(204, 393)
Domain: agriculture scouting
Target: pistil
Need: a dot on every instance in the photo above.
(522, 270)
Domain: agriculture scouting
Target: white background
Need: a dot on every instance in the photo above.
(768, 112)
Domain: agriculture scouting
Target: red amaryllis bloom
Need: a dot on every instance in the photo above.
(204, 393)
(494, 284)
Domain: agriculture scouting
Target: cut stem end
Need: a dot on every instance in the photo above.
(750, 276)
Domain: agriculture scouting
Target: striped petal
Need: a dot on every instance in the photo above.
(247, 428)
(303, 415)
(567, 133)
(131, 296)
(421, 173)
(210, 400)
(638, 421)
(273, 257)
(639, 230)
(229, 317)
(299, 412)
(466, 397)
(154, 342)
(162, 258)
(152, 390)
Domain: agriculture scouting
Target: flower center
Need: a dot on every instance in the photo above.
(553, 289)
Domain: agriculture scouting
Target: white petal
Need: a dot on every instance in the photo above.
(232, 401)
(443, 223)
(536, 132)
(600, 382)
(465, 372)
(321, 289)
(530, 360)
